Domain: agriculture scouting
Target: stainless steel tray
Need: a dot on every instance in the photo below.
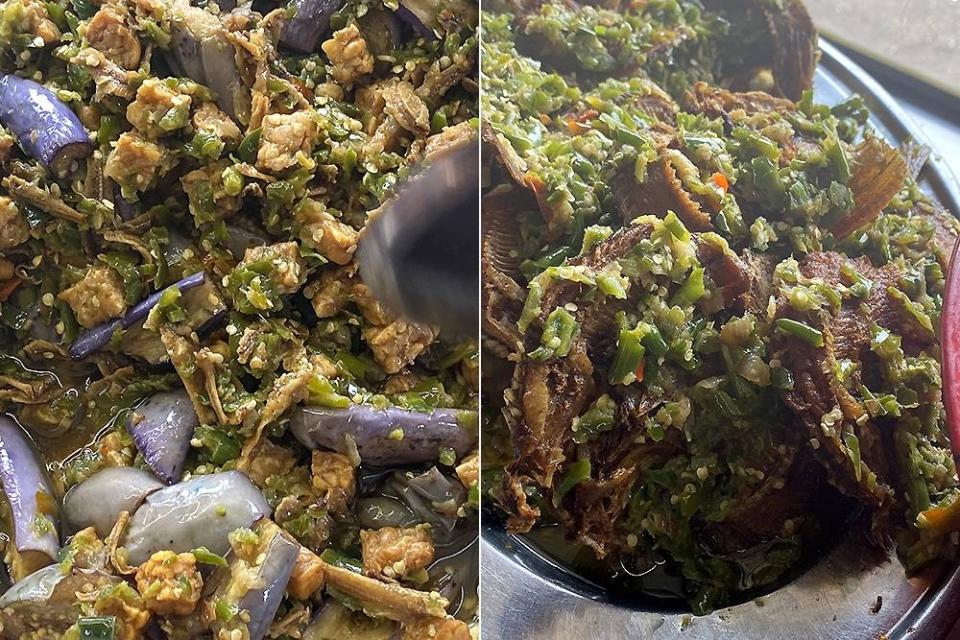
(526, 595)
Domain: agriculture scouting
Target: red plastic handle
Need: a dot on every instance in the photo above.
(950, 351)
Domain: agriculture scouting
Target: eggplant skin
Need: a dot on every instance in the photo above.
(100, 336)
(221, 74)
(47, 129)
(37, 586)
(44, 604)
(386, 436)
(262, 602)
(200, 51)
(200, 512)
(32, 502)
(98, 501)
(162, 428)
(27, 598)
(311, 21)
(258, 588)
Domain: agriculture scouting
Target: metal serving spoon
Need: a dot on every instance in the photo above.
(419, 252)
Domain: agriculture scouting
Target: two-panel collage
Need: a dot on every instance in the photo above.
(496, 320)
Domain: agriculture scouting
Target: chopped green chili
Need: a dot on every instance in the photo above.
(576, 473)
(800, 330)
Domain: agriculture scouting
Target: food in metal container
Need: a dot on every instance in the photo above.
(710, 303)
(182, 188)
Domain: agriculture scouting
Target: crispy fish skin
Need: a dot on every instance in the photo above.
(790, 45)
(818, 391)
(545, 397)
(661, 191)
(879, 173)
